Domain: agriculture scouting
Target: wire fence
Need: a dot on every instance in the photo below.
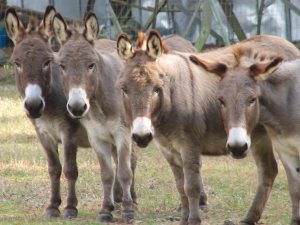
(204, 22)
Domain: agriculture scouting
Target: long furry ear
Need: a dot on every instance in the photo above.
(154, 45)
(91, 30)
(215, 69)
(14, 26)
(61, 31)
(46, 24)
(124, 46)
(263, 70)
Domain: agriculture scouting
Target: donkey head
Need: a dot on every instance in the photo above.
(32, 59)
(238, 94)
(79, 63)
(143, 84)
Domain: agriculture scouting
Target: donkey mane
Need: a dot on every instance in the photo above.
(246, 54)
(141, 43)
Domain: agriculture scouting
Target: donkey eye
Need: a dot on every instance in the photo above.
(92, 66)
(62, 67)
(46, 64)
(124, 92)
(17, 65)
(221, 102)
(252, 100)
(156, 91)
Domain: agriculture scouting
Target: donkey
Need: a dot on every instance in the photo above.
(37, 80)
(165, 98)
(88, 81)
(251, 93)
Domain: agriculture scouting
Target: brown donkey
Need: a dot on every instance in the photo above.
(165, 98)
(37, 79)
(89, 84)
(250, 94)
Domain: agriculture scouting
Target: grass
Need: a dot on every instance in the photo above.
(25, 187)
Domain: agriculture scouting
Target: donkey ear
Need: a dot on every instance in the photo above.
(14, 26)
(154, 45)
(215, 69)
(62, 33)
(48, 19)
(124, 46)
(262, 71)
(91, 30)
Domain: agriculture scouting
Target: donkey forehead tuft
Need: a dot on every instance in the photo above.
(143, 75)
(33, 46)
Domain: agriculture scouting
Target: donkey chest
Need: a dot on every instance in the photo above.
(287, 144)
(98, 129)
(49, 128)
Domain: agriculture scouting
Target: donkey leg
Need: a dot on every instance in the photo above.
(118, 192)
(71, 172)
(291, 163)
(125, 178)
(103, 151)
(190, 159)
(133, 167)
(175, 162)
(203, 202)
(263, 154)
(203, 196)
(54, 170)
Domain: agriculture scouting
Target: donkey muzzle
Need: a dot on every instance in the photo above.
(238, 142)
(77, 109)
(78, 104)
(34, 102)
(34, 107)
(142, 131)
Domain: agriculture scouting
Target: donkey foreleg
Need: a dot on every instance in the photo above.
(71, 173)
(125, 176)
(103, 151)
(267, 171)
(54, 170)
(190, 159)
(174, 159)
(291, 163)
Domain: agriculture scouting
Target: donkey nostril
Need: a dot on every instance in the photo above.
(84, 107)
(69, 107)
(40, 105)
(245, 147)
(26, 105)
(148, 136)
(135, 137)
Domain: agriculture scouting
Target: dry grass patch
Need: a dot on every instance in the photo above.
(25, 187)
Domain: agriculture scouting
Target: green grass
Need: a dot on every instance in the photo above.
(24, 183)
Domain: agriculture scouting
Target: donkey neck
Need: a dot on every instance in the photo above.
(106, 96)
(192, 96)
(280, 103)
(55, 100)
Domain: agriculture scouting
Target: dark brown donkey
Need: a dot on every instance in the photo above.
(89, 84)
(38, 82)
(251, 94)
(165, 98)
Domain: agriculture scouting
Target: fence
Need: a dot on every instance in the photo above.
(217, 22)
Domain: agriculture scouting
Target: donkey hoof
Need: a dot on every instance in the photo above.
(51, 213)
(105, 217)
(203, 208)
(228, 222)
(241, 223)
(70, 213)
(128, 216)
